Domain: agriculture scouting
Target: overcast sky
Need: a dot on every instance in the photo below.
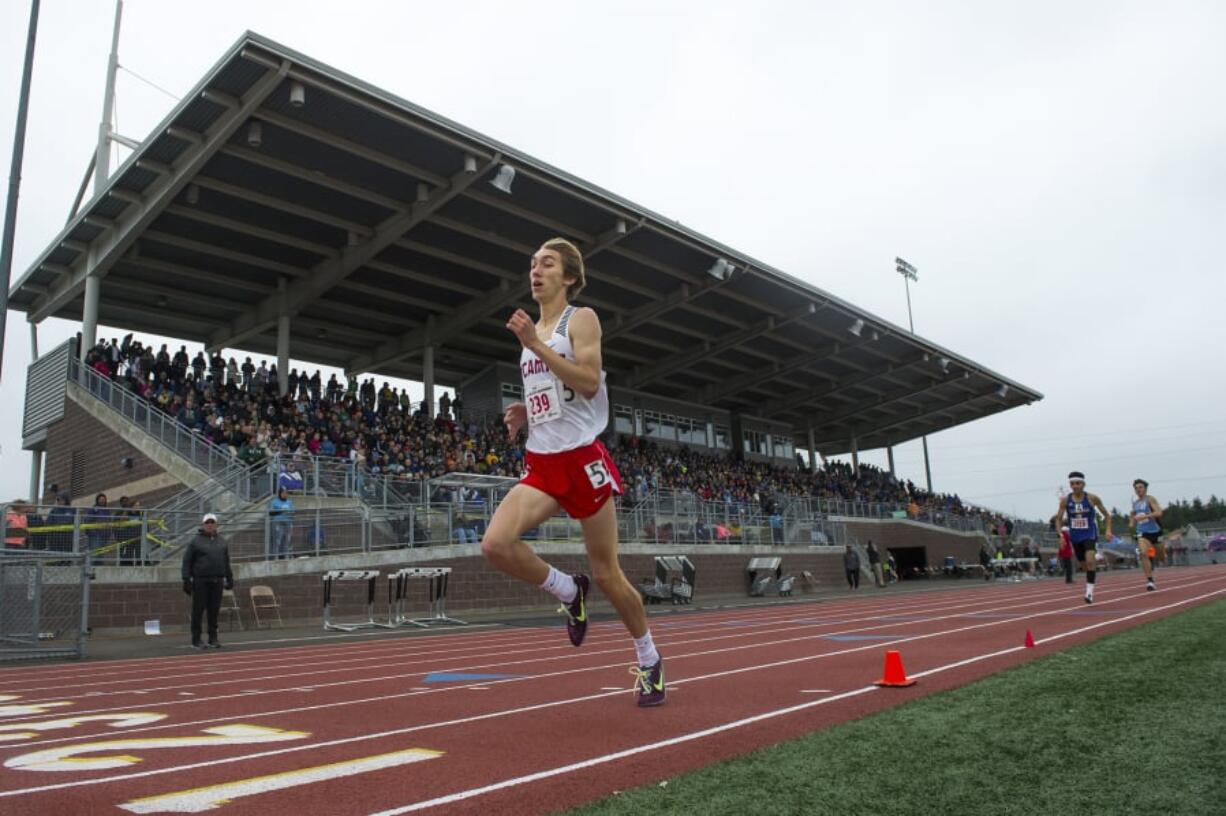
(1054, 170)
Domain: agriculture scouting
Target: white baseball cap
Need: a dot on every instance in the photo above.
(209, 517)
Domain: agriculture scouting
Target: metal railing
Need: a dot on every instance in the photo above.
(188, 444)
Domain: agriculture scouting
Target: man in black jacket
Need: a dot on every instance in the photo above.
(206, 570)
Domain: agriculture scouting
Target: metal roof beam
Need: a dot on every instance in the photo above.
(707, 349)
(332, 271)
(796, 400)
(882, 401)
(274, 203)
(782, 368)
(106, 249)
(158, 237)
(211, 278)
(942, 410)
(302, 174)
(414, 341)
(244, 228)
(330, 139)
(509, 290)
(436, 281)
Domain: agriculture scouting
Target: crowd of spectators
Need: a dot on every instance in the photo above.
(381, 432)
(242, 408)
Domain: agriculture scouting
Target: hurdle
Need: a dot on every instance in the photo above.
(371, 577)
(436, 589)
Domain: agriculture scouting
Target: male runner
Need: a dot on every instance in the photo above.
(1079, 506)
(566, 406)
(1146, 519)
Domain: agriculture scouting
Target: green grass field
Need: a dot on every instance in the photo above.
(1132, 723)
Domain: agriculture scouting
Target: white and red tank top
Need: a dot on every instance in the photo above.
(559, 418)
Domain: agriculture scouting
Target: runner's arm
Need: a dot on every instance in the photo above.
(1098, 503)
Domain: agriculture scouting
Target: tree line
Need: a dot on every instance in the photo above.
(1180, 513)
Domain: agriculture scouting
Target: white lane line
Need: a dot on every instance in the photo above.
(590, 697)
(841, 605)
(707, 732)
(921, 604)
(724, 650)
(396, 646)
(769, 623)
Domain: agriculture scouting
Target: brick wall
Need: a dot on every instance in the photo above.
(474, 587)
(100, 453)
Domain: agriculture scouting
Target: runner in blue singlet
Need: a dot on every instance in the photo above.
(1080, 507)
(1146, 519)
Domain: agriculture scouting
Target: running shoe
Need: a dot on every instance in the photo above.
(649, 684)
(198, 646)
(576, 612)
(1089, 599)
(214, 644)
(1150, 586)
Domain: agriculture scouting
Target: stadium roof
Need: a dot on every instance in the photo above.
(373, 223)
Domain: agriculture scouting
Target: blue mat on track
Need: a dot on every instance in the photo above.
(460, 677)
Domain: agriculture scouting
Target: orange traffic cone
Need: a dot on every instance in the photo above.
(1029, 643)
(895, 675)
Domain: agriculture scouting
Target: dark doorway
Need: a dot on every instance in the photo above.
(912, 562)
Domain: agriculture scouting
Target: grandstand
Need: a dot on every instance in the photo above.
(286, 209)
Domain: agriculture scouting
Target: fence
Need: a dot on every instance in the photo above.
(43, 602)
(454, 513)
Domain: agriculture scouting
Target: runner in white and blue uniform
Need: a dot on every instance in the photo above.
(1080, 507)
(1146, 519)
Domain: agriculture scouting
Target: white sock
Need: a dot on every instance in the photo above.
(645, 650)
(1089, 590)
(560, 585)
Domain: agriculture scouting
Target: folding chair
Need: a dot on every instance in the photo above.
(229, 606)
(262, 597)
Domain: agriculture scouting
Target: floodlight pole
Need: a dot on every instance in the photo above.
(910, 273)
(102, 172)
(10, 210)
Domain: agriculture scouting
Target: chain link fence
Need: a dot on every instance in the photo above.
(43, 598)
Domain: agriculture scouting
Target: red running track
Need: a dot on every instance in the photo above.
(363, 727)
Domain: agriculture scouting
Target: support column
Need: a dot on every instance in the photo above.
(812, 451)
(890, 453)
(855, 456)
(36, 456)
(36, 476)
(282, 341)
(427, 378)
(89, 315)
(102, 172)
(927, 468)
